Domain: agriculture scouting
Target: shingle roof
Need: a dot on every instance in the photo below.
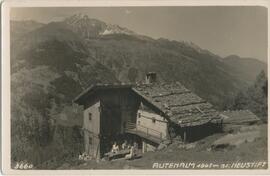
(179, 104)
(176, 102)
(240, 116)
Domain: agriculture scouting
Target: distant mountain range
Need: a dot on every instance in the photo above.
(82, 51)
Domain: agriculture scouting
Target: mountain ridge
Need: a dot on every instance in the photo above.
(80, 17)
(89, 27)
(131, 56)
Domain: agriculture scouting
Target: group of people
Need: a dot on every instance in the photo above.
(124, 146)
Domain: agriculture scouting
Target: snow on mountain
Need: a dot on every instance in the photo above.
(88, 27)
(115, 29)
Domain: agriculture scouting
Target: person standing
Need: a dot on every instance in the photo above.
(115, 147)
(124, 145)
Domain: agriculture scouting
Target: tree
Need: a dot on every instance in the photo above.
(255, 97)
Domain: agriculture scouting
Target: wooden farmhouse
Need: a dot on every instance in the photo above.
(147, 113)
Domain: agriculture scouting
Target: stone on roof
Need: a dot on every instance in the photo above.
(179, 104)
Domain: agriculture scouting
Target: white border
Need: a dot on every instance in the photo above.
(95, 3)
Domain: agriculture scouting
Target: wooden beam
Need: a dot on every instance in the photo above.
(186, 104)
(171, 93)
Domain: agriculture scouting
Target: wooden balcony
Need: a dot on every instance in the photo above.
(145, 132)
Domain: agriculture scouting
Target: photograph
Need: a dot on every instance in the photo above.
(148, 87)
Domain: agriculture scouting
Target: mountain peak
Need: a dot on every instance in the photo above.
(79, 18)
(90, 27)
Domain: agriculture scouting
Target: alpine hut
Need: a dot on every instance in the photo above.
(149, 113)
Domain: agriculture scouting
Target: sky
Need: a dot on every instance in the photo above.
(223, 30)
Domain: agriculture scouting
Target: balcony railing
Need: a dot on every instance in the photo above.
(144, 131)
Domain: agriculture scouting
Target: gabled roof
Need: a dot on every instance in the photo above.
(240, 116)
(96, 87)
(172, 100)
(179, 104)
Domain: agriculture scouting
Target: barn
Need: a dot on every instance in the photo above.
(149, 113)
(233, 120)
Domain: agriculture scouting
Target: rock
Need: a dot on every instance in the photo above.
(104, 159)
(161, 146)
(190, 146)
(187, 146)
(173, 145)
(167, 142)
(234, 140)
(181, 146)
(178, 138)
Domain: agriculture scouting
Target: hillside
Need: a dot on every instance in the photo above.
(201, 153)
(130, 56)
(244, 68)
(51, 63)
(49, 67)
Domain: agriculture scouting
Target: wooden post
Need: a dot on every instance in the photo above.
(185, 136)
(143, 147)
(97, 152)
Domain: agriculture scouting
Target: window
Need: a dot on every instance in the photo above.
(90, 116)
(153, 120)
(139, 122)
(90, 140)
(139, 115)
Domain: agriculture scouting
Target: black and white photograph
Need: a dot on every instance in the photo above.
(164, 87)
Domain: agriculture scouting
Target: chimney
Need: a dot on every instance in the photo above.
(150, 78)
